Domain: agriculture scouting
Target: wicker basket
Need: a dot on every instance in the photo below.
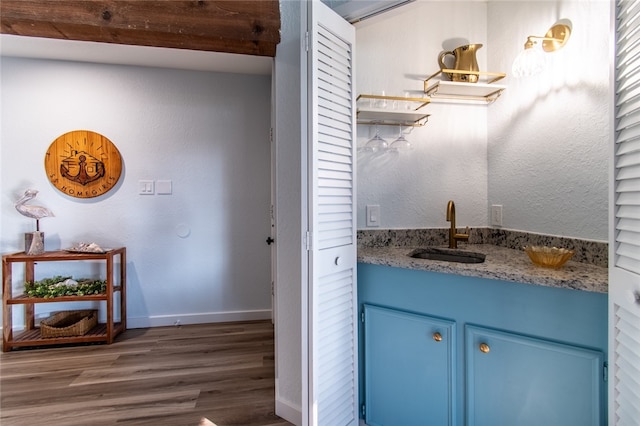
(69, 323)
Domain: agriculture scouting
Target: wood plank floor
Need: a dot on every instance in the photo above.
(158, 376)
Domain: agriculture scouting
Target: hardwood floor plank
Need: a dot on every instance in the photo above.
(131, 374)
(166, 401)
(35, 368)
(159, 376)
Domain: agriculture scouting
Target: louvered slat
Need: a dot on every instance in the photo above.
(630, 53)
(336, 333)
(335, 134)
(627, 360)
(628, 16)
(627, 161)
(624, 327)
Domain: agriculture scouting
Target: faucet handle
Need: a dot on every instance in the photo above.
(461, 236)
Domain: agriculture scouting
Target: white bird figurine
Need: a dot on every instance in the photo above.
(34, 212)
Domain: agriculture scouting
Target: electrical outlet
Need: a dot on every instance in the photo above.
(373, 215)
(496, 215)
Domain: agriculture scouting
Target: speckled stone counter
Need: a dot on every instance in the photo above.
(501, 263)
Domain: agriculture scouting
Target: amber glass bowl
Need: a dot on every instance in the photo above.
(548, 257)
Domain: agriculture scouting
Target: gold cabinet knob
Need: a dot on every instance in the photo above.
(437, 337)
(484, 348)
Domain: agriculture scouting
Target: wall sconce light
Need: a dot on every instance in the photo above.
(531, 60)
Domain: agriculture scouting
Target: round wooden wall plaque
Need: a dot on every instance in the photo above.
(83, 164)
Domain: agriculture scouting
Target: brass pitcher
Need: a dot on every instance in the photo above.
(465, 60)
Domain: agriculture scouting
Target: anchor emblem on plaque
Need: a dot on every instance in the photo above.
(82, 168)
(83, 164)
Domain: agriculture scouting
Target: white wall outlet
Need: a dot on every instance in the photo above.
(496, 215)
(146, 187)
(373, 215)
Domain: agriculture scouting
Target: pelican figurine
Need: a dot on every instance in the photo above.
(34, 212)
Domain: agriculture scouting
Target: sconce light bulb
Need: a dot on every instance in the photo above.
(529, 62)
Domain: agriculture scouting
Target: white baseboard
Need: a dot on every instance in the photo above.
(288, 411)
(182, 319)
(202, 318)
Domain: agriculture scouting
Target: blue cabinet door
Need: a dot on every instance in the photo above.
(409, 368)
(519, 380)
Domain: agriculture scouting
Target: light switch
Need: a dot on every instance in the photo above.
(163, 187)
(373, 215)
(145, 187)
(496, 215)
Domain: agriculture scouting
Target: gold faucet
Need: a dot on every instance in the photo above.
(453, 233)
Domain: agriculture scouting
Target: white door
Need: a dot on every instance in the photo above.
(332, 303)
(624, 235)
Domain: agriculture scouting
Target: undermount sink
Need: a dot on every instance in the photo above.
(448, 255)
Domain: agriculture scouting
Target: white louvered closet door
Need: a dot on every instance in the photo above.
(333, 396)
(624, 239)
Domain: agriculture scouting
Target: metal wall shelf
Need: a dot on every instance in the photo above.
(406, 112)
(482, 92)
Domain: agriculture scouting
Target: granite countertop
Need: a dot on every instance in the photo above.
(501, 263)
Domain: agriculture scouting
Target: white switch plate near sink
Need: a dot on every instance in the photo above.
(373, 215)
(496, 215)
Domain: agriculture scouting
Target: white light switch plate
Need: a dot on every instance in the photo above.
(496, 215)
(373, 215)
(145, 187)
(164, 187)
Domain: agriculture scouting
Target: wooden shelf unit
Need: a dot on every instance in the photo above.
(103, 332)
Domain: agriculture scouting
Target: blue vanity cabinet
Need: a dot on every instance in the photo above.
(545, 361)
(520, 380)
(409, 367)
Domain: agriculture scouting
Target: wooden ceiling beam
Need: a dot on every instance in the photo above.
(232, 26)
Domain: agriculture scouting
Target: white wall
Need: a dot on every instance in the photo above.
(549, 135)
(395, 52)
(207, 132)
(539, 150)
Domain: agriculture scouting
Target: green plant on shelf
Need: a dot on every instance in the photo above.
(64, 286)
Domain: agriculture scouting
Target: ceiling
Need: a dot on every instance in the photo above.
(357, 10)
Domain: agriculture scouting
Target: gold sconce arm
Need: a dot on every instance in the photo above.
(529, 44)
(554, 39)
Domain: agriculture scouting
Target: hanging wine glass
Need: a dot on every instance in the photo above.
(401, 143)
(376, 143)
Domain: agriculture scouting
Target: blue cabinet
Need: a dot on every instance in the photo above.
(543, 363)
(525, 381)
(409, 368)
